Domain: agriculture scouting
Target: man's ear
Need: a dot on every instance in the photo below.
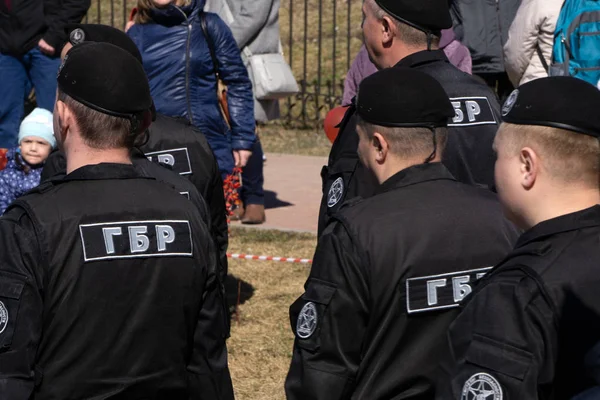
(530, 167)
(66, 119)
(381, 147)
(388, 31)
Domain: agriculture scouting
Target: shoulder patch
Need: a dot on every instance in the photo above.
(3, 317)
(136, 239)
(307, 321)
(437, 292)
(177, 159)
(482, 386)
(471, 111)
(336, 192)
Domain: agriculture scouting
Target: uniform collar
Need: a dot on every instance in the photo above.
(422, 57)
(414, 175)
(105, 171)
(570, 222)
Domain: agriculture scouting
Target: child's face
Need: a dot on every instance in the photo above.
(34, 150)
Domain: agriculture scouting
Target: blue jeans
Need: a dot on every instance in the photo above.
(253, 178)
(18, 74)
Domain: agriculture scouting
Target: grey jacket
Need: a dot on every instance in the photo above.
(255, 24)
(483, 25)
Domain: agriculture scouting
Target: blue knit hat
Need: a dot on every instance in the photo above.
(38, 124)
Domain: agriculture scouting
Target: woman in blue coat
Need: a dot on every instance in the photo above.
(180, 69)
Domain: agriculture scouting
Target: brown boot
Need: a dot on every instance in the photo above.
(254, 215)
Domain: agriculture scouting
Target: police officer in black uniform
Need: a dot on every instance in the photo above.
(405, 33)
(531, 328)
(390, 270)
(103, 273)
(170, 142)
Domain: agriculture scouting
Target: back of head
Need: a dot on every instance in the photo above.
(417, 24)
(406, 107)
(106, 90)
(558, 118)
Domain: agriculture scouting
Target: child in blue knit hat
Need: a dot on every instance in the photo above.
(24, 167)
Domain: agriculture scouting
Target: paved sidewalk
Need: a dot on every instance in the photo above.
(292, 192)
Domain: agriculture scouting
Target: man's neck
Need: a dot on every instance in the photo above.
(563, 202)
(399, 165)
(401, 52)
(86, 156)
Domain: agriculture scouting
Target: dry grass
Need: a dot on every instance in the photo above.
(261, 343)
(276, 138)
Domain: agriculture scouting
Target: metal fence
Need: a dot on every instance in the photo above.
(320, 39)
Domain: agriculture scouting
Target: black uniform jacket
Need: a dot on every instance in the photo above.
(103, 281)
(174, 143)
(531, 329)
(468, 154)
(24, 22)
(387, 277)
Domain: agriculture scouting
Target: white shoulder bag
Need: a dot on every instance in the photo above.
(271, 75)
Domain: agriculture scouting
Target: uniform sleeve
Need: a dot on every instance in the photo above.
(250, 20)
(329, 321)
(21, 305)
(58, 15)
(240, 97)
(208, 371)
(502, 343)
(216, 201)
(522, 40)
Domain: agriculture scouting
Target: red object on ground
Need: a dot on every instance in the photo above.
(3, 159)
(231, 184)
(332, 121)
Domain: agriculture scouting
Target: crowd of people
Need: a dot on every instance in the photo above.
(458, 237)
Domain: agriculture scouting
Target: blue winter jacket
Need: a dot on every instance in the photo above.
(177, 61)
(14, 182)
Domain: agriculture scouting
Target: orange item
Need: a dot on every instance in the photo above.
(332, 121)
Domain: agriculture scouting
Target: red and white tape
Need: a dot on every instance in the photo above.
(270, 258)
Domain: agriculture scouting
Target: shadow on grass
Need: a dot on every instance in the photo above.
(238, 292)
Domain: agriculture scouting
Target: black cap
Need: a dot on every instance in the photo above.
(79, 33)
(403, 97)
(560, 102)
(107, 79)
(425, 15)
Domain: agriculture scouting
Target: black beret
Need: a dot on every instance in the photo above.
(560, 102)
(425, 15)
(403, 97)
(105, 78)
(79, 33)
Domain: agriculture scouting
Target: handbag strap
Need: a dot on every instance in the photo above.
(542, 58)
(211, 45)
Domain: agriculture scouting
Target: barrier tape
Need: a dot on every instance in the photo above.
(269, 258)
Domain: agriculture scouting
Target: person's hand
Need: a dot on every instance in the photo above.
(46, 48)
(241, 157)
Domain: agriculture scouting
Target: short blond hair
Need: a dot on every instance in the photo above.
(408, 34)
(568, 156)
(408, 142)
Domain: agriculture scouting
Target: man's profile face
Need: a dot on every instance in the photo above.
(65, 50)
(371, 28)
(365, 148)
(508, 177)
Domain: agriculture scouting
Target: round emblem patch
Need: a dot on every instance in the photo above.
(510, 102)
(307, 321)
(336, 192)
(3, 317)
(77, 36)
(482, 387)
